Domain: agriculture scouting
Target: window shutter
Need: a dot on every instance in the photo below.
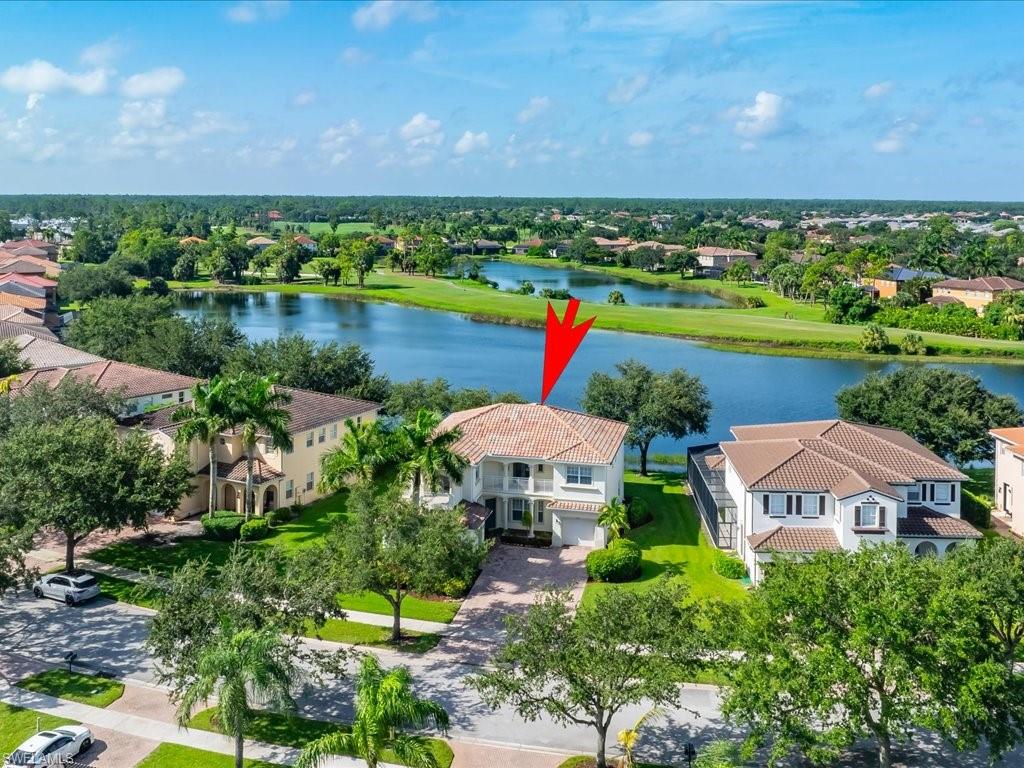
(800, 506)
(881, 517)
(952, 491)
(856, 516)
(821, 506)
(789, 504)
(764, 500)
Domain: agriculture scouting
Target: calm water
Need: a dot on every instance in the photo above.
(594, 286)
(407, 343)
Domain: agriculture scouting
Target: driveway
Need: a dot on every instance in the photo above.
(511, 579)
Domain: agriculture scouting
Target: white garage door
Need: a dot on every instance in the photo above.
(577, 533)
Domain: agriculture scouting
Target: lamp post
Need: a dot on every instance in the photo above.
(690, 752)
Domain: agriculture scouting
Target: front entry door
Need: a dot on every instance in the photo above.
(491, 524)
(1007, 498)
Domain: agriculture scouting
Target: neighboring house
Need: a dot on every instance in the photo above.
(259, 243)
(307, 242)
(282, 477)
(43, 353)
(560, 249)
(1009, 478)
(890, 282)
(618, 244)
(28, 291)
(12, 313)
(977, 293)
(11, 263)
(654, 244)
(561, 465)
(275, 215)
(386, 243)
(31, 247)
(521, 249)
(191, 240)
(11, 329)
(487, 247)
(713, 261)
(825, 485)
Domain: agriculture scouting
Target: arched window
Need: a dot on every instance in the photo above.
(950, 547)
(926, 549)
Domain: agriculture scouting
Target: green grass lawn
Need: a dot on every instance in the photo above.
(176, 756)
(354, 633)
(320, 227)
(293, 731)
(17, 724)
(311, 527)
(673, 543)
(124, 591)
(85, 689)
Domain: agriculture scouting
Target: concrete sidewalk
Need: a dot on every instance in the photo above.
(361, 617)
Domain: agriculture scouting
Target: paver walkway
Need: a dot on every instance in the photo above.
(510, 581)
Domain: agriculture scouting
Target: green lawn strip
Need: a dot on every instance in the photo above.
(124, 591)
(290, 730)
(354, 633)
(176, 756)
(673, 543)
(320, 227)
(74, 686)
(588, 761)
(424, 609)
(17, 725)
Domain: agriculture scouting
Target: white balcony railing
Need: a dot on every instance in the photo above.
(494, 483)
(543, 486)
(518, 484)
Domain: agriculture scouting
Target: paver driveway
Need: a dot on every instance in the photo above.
(510, 581)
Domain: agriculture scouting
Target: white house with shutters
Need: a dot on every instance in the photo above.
(816, 485)
(560, 465)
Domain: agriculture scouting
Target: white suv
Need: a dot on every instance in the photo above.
(56, 747)
(72, 588)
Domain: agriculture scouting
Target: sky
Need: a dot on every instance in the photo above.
(646, 99)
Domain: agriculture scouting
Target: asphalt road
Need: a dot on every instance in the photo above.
(111, 637)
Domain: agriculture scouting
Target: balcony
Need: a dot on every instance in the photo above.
(504, 484)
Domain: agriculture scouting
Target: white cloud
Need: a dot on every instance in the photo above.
(896, 139)
(102, 53)
(471, 142)
(878, 90)
(251, 11)
(267, 153)
(422, 131)
(143, 114)
(381, 14)
(354, 55)
(33, 101)
(161, 81)
(336, 141)
(146, 125)
(40, 76)
(304, 98)
(748, 146)
(537, 106)
(762, 118)
(638, 139)
(627, 89)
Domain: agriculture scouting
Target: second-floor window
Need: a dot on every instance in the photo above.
(334, 431)
(309, 439)
(913, 494)
(289, 489)
(578, 475)
(322, 436)
(869, 516)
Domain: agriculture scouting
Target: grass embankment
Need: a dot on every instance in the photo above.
(673, 543)
(17, 725)
(293, 731)
(803, 333)
(311, 527)
(176, 756)
(85, 689)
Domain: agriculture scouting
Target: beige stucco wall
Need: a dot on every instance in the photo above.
(977, 300)
(1009, 473)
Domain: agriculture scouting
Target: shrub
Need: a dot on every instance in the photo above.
(975, 509)
(913, 344)
(874, 339)
(616, 297)
(639, 514)
(223, 526)
(297, 509)
(257, 528)
(753, 302)
(278, 516)
(456, 587)
(729, 567)
(157, 287)
(720, 754)
(619, 562)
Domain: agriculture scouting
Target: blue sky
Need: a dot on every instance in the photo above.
(757, 99)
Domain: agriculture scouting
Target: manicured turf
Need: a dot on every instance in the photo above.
(85, 689)
(354, 633)
(319, 227)
(588, 761)
(311, 527)
(124, 591)
(294, 731)
(176, 756)
(17, 725)
(673, 543)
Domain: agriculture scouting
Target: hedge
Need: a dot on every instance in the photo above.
(257, 528)
(728, 566)
(223, 526)
(619, 562)
(975, 509)
(639, 513)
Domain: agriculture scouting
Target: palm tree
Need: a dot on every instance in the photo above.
(362, 454)
(385, 704)
(204, 419)
(255, 408)
(238, 667)
(615, 517)
(425, 454)
(628, 737)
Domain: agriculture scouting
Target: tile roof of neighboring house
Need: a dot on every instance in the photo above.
(28, 265)
(487, 244)
(832, 455)
(940, 301)
(40, 353)
(236, 471)
(1012, 435)
(982, 284)
(132, 380)
(27, 250)
(33, 280)
(927, 523)
(604, 242)
(190, 239)
(15, 314)
(714, 461)
(714, 250)
(382, 239)
(533, 431)
(10, 330)
(667, 247)
(794, 538)
(535, 243)
(27, 243)
(565, 505)
(304, 240)
(259, 241)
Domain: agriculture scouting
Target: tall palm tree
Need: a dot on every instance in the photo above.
(362, 455)
(256, 409)
(425, 454)
(204, 419)
(240, 667)
(615, 517)
(385, 704)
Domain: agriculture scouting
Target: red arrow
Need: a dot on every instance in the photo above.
(560, 343)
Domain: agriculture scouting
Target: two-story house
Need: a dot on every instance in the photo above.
(977, 293)
(1009, 476)
(817, 485)
(561, 465)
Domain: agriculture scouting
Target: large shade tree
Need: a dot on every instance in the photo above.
(672, 404)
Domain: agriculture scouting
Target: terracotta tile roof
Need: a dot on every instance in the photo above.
(236, 471)
(794, 538)
(939, 301)
(10, 330)
(714, 250)
(190, 239)
(922, 522)
(29, 242)
(259, 241)
(982, 284)
(28, 265)
(33, 280)
(836, 456)
(564, 505)
(41, 353)
(304, 240)
(134, 380)
(1012, 435)
(715, 461)
(27, 250)
(533, 431)
(15, 314)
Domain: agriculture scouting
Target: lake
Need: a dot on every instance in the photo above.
(594, 286)
(407, 343)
